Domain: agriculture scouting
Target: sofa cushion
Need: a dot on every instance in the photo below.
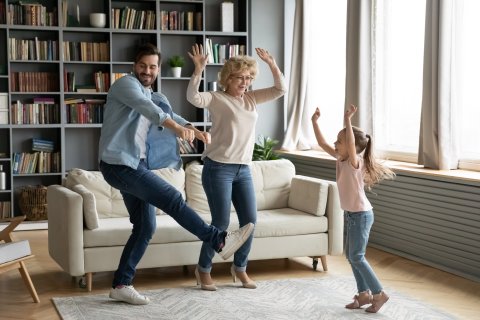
(108, 199)
(272, 180)
(175, 177)
(90, 214)
(196, 197)
(309, 195)
(270, 223)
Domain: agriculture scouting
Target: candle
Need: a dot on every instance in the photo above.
(78, 14)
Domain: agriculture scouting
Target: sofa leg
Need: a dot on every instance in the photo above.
(89, 279)
(323, 259)
(324, 263)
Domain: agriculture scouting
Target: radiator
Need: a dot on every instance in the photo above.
(432, 220)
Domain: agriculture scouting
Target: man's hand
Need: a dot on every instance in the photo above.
(203, 136)
(185, 133)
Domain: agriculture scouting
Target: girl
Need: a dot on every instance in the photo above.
(356, 168)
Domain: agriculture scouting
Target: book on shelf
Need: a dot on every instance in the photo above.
(42, 145)
(5, 208)
(86, 89)
(14, 250)
(130, 18)
(40, 110)
(86, 111)
(73, 100)
(2, 13)
(36, 162)
(3, 116)
(226, 16)
(186, 147)
(117, 75)
(3, 101)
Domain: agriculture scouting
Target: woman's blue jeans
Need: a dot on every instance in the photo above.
(357, 231)
(142, 190)
(224, 184)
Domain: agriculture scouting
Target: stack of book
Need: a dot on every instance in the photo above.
(42, 145)
(186, 147)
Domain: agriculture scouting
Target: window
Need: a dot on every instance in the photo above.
(397, 47)
(468, 53)
(326, 79)
(398, 74)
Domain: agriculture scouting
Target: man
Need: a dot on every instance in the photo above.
(129, 113)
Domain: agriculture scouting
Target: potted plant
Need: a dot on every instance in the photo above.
(176, 62)
(263, 150)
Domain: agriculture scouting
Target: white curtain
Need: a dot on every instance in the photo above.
(297, 94)
(437, 145)
(359, 77)
(358, 85)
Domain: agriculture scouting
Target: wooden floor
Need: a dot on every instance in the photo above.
(456, 295)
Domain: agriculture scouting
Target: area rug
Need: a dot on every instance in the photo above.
(289, 299)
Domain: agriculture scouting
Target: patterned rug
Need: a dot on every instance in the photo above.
(289, 299)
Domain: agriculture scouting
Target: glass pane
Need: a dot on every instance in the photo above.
(398, 50)
(469, 82)
(326, 69)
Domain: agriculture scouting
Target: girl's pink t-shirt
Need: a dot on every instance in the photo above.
(351, 186)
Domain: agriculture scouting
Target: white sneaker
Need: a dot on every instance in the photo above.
(235, 239)
(128, 294)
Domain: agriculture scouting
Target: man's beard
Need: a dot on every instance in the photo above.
(146, 82)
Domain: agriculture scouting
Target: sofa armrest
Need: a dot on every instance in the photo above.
(65, 229)
(335, 220)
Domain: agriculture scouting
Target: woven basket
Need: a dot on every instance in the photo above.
(33, 202)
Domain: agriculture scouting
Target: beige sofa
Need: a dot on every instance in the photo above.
(88, 223)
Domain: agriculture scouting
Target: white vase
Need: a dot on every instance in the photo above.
(177, 72)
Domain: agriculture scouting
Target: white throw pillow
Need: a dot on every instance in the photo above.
(309, 195)
(90, 214)
(174, 177)
(109, 200)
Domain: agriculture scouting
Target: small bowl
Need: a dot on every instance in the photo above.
(98, 20)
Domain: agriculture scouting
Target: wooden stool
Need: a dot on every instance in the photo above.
(18, 263)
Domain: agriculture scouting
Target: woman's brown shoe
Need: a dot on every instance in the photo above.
(378, 301)
(360, 300)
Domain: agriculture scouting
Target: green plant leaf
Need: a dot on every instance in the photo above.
(263, 149)
(176, 61)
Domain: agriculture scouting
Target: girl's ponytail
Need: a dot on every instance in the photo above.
(374, 171)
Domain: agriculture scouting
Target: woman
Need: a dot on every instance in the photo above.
(226, 173)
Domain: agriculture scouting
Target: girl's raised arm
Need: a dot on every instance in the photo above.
(328, 148)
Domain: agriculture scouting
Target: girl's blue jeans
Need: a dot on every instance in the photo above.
(357, 231)
(225, 184)
(142, 190)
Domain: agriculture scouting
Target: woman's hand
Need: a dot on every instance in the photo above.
(198, 57)
(265, 56)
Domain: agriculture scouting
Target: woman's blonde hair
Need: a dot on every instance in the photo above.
(236, 65)
(374, 170)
